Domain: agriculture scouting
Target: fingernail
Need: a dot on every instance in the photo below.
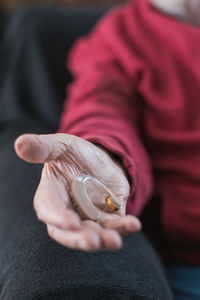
(82, 244)
(22, 148)
(118, 241)
(137, 224)
(95, 241)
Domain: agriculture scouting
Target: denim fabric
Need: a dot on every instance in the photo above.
(185, 281)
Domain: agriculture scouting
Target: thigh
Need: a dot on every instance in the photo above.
(33, 266)
(18, 182)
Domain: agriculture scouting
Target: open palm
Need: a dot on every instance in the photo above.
(66, 156)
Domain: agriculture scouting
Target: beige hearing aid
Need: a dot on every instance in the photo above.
(82, 203)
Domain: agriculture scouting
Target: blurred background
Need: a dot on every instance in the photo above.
(10, 5)
(35, 39)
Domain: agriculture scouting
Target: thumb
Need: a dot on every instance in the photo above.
(35, 148)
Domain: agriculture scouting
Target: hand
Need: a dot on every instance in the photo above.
(66, 156)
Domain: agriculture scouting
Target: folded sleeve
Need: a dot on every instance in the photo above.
(102, 104)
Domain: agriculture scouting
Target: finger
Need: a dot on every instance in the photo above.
(41, 148)
(87, 240)
(52, 205)
(123, 225)
(63, 220)
(110, 238)
(93, 225)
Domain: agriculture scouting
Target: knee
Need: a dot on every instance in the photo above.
(43, 269)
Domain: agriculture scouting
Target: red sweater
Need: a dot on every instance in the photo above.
(136, 91)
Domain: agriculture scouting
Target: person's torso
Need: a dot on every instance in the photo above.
(169, 96)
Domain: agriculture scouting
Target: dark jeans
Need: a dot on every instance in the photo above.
(33, 77)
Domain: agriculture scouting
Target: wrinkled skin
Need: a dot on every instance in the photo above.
(64, 157)
(187, 10)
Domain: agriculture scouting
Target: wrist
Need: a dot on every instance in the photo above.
(116, 159)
